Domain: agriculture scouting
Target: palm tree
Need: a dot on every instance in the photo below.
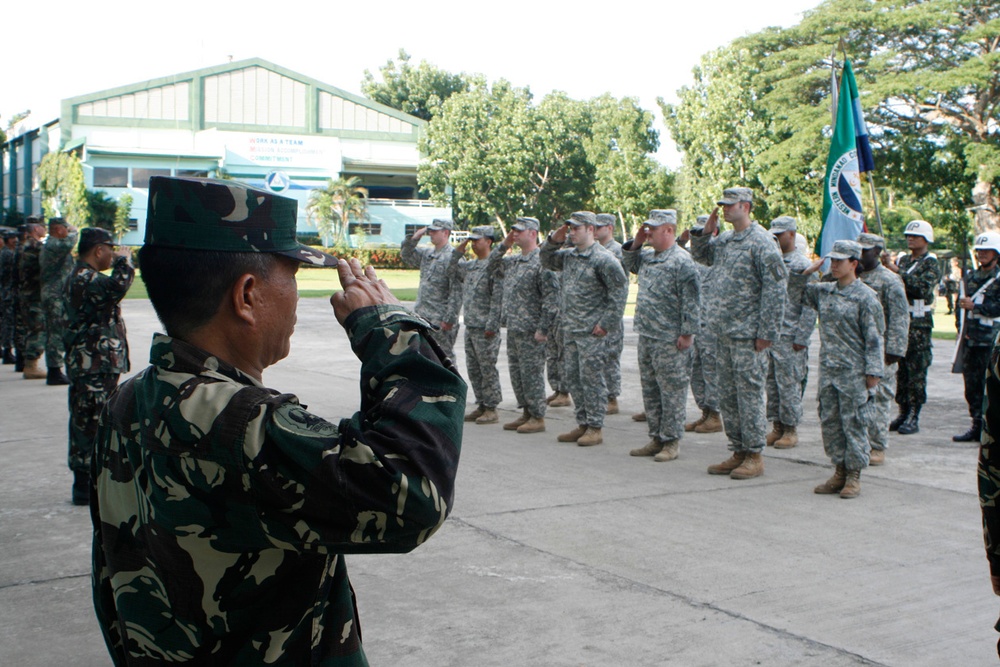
(332, 208)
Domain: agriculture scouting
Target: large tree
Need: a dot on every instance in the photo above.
(417, 90)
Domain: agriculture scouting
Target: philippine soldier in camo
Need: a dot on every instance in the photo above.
(95, 343)
(921, 274)
(20, 333)
(55, 266)
(850, 365)
(482, 301)
(666, 319)
(8, 255)
(704, 372)
(29, 291)
(222, 509)
(989, 471)
(439, 298)
(604, 233)
(892, 297)
(788, 361)
(529, 318)
(594, 290)
(981, 305)
(751, 279)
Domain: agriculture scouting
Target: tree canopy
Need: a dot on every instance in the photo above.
(417, 90)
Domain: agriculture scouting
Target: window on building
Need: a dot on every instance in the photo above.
(386, 192)
(369, 228)
(192, 173)
(110, 177)
(410, 230)
(133, 224)
(140, 177)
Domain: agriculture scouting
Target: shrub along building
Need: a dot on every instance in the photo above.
(252, 121)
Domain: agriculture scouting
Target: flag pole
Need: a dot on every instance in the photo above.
(878, 215)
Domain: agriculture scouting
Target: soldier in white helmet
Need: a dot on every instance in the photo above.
(981, 305)
(921, 274)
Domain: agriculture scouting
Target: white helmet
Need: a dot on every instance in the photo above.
(988, 241)
(920, 228)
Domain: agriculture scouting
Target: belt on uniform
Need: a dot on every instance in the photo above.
(918, 309)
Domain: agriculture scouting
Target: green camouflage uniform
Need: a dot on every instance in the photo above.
(30, 300)
(989, 469)
(594, 291)
(7, 297)
(980, 330)
(96, 350)
(892, 297)
(788, 367)
(851, 325)
(526, 311)
(439, 298)
(615, 340)
(482, 300)
(750, 288)
(56, 263)
(667, 307)
(920, 278)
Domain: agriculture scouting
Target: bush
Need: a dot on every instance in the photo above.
(380, 258)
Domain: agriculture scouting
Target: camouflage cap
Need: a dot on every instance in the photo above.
(485, 231)
(605, 219)
(734, 195)
(868, 241)
(442, 223)
(225, 216)
(93, 236)
(522, 224)
(582, 218)
(661, 216)
(845, 250)
(58, 221)
(783, 223)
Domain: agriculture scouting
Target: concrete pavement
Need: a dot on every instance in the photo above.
(561, 555)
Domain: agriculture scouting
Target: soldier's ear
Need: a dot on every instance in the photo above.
(245, 298)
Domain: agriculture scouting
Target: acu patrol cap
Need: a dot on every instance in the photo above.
(580, 218)
(868, 241)
(783, 223)
(845, 250)
(522, 224)
(91, 237)
(661, 216)
(485, 231)
(441, 223)
(225, 216)
(605, 219)
(731, 196)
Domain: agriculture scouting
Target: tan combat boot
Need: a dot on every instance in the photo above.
(877, 457)
(669, 452)
(690, 426)
(652, 448)
(523, 419)
(852, 484)
(32, 372)
(612, 408)
(832, 485)
(533, 425)
(489, 416)
(475, 414)
(729, 465)
(752, 466)
(561, 400)
(551, 397)
(777, 429)
(712, 423)
(592, 437)
(573, 435)
(789, 438)
(639, 417)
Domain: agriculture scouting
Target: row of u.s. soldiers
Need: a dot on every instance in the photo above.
(727, 316)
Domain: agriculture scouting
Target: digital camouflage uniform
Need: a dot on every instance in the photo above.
(29, 293)
(615, 339)
(222, 509)
(7, 288)
(920, 278)
(96, 350)
(750, 282)
(667, 307)
(56, 263)
(438, 296)
(892, 298)
(594, 290)
(527, 309)
(980, 330)
(482, 299)
(851, 326)
(704, 367)
(787, 367)
(554, 361)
